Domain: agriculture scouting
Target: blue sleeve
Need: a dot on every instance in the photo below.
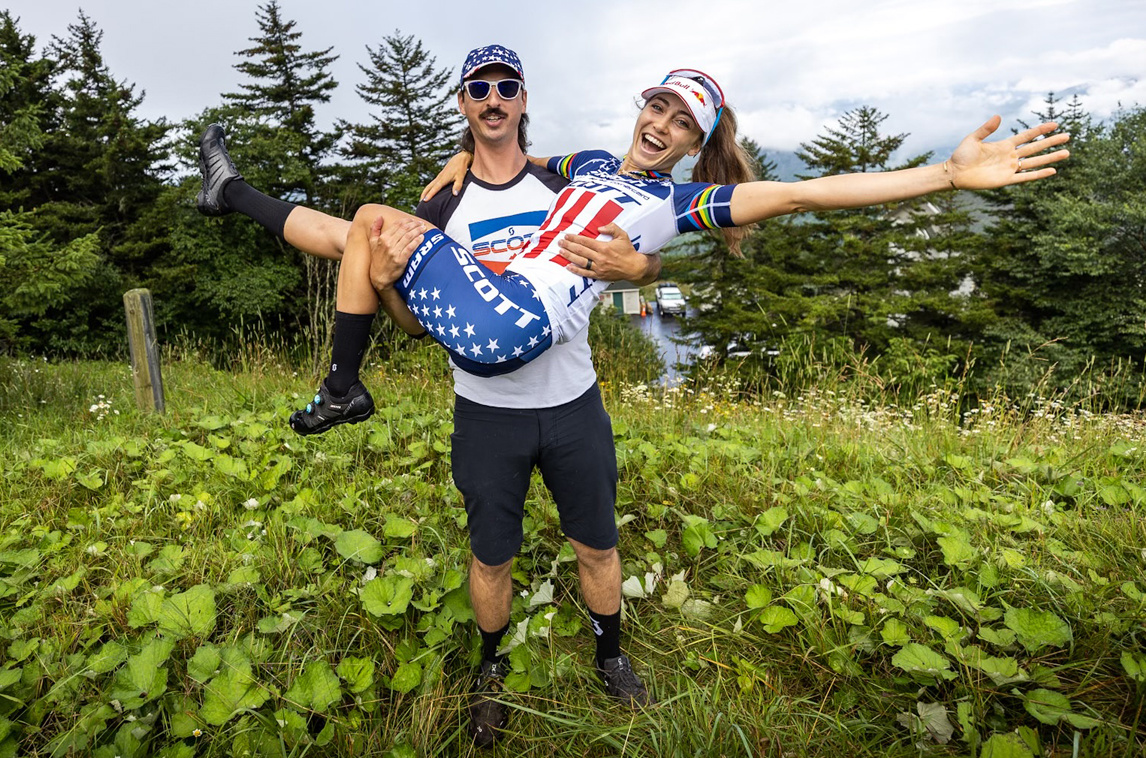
(702, 206)
(568, 165)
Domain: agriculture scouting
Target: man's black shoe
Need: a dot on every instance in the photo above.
(218, 171)
(623, 683)
(327, 410)
(487, 715)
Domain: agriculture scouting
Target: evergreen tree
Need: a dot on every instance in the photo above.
(27, 109)
(97, 171)
(887, 279)
(34, 274)
(285, 83)
(413, 125)
(1065, 272)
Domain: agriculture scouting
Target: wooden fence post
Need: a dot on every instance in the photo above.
(144, 350)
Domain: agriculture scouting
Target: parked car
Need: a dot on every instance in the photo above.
(670, 300)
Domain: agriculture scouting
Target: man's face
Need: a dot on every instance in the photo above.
(493, 120)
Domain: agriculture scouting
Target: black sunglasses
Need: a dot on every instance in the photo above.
(507, 89)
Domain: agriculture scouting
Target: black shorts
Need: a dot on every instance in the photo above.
(495, 451)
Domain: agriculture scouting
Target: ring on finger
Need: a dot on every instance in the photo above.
(1020, 163)
(588, 264)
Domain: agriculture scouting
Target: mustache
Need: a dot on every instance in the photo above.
(493, 112)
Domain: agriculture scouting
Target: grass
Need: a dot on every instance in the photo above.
(824, 572)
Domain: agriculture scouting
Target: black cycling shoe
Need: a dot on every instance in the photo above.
(623, 683)
(327, 410)
(488, 716)
(218, 171)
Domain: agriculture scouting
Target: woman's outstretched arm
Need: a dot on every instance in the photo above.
(974, 165)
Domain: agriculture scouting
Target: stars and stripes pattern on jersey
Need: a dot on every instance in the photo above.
(490, 324)
(577, 211)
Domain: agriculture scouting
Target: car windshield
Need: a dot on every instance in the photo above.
(671, 295)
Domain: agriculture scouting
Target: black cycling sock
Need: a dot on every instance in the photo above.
(351, 338)
(490, 642)
(608, 631)
(269, 211)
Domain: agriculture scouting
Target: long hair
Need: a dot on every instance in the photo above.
(468, 144)
(724, 161)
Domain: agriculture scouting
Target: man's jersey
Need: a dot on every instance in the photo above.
(494, 221)
(647, 205)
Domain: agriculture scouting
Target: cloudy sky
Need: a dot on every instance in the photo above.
(937, 68)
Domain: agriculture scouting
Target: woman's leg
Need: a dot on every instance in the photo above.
(342, 398)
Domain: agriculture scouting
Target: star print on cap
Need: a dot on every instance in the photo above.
(489, 55)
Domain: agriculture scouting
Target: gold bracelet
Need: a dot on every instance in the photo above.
(950, 178)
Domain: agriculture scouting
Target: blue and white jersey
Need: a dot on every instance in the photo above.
(649, 206)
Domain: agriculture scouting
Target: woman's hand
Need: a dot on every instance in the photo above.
(454, 172)
(976, 164)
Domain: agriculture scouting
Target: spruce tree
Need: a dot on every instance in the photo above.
(35, 275)
(98, 171)
(284, 85)
(413, 125)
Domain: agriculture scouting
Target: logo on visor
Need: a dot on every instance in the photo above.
(699, 97)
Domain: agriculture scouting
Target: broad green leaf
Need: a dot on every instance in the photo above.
(1134, 665)
(658, 537)
(948, 628)
(8, 677)
(407, 677)
(143, 677)
(358, 673)
(894, 633)
(196, 452)
(19, 650)
(776, 618)
(1002, 638)
(188, 614)
(110, 655)
(956, 551)
(758, 596)
(169, 560)
(145, 608)
(1037, 629)
(233, 691)
(387, 595)
(236, 468)
(93, 480)
(244, 575)
(676, 594)
(316, 688)
(697, 537)
(399, 528)
(357, 545)
(1001, 670)
(204, 664)
(923, 663)
(881, 568)
(64, 585)
(771, 520)
(1005, 746)
(1050, 707)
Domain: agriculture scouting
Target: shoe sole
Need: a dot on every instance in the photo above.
(326, 428)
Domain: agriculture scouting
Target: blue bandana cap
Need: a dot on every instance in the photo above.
(489, 55)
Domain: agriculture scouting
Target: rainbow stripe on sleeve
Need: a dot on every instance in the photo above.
(710, 209)
(560, 166)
